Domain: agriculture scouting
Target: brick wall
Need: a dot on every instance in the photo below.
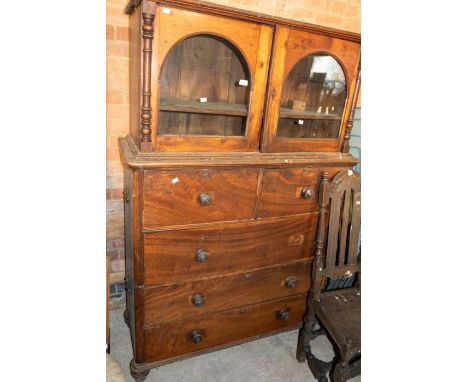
(117, 126)
(341, 14)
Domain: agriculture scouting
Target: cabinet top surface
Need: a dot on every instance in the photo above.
(210, 8)
(133, 158)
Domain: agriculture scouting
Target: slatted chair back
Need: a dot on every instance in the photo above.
(339, 227)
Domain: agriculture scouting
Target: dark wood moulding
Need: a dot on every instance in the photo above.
(134, 158)
(221, 10)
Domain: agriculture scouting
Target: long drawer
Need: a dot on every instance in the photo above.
(192, 299)
(178, 256)
(196, 334)
(198, 196)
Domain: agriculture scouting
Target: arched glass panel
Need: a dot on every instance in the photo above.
(313, 99)
(204, 89)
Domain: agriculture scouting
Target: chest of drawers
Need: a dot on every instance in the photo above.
(205, 275)
(233, 116)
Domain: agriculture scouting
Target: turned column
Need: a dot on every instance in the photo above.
(148, 14)
(350, 121)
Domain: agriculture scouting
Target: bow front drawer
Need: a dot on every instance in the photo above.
(198, 196)
(223, 328)
(182, 255)
(175, 302)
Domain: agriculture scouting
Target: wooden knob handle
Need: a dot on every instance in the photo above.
(307, 193)
(196, 336)
(205, 199)
(198, 300)
(290, 282)
(283, 315)
(201, 255)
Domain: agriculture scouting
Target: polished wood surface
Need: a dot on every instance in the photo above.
(172, 339)
(170, 256)
(236, 13)
(173, 197)
(251, 39)
(290, 46)
(282, 191)
(220, 211)
(135, 159)
(177, 301)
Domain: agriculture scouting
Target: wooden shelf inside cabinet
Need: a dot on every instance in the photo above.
(295, 114)
(216, 108)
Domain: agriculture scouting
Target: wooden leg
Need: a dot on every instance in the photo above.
(126, 317)
(338, 372)
(344, 370)
(138, 373)
(306, 334)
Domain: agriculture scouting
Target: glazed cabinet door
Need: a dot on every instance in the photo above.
(312, 82)
(209, 81)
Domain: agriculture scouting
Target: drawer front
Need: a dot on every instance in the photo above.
(291, 191)
(198, 196)
(197, 334)
(177, 256)
(175, 302)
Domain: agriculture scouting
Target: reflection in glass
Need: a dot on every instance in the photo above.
(204, 89)
(313, 99)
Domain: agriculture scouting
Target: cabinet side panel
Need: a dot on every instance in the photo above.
(129, 279)
(135, 74)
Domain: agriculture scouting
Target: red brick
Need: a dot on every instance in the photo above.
(113, 154)
(117, 48)
(118, 265)
(118, 97)
(117, 127)
(116, 111)
(110, 32)
(117, 193)
(114, 231)
(122, 33)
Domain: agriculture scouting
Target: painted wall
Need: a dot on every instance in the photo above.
(341, 14)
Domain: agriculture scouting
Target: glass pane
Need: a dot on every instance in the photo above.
(313, 99)
(204, 89)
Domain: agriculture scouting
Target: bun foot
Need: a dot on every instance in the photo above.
(138, 373)
(126, 316)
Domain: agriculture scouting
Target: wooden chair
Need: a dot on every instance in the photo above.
(336, 312)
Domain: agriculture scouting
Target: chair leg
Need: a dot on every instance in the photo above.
(345, 370)
(306, 334)
(339, 372)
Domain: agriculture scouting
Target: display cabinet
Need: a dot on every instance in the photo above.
(312, 83)
(233, 116)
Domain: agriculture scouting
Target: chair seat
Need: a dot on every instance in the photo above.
(340, 313)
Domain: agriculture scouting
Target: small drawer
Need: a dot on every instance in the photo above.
(291, 191)
(198, 196)
(183, 255)
(193, 299)
(223, 328)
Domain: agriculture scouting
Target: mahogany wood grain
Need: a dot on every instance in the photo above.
(173, 339)
(237, 13)
(251, 39)
(172, 197)
(170, 257)
(228, 160)
(281, 192)
(175, 302)
(134, 33)
(290, 46)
